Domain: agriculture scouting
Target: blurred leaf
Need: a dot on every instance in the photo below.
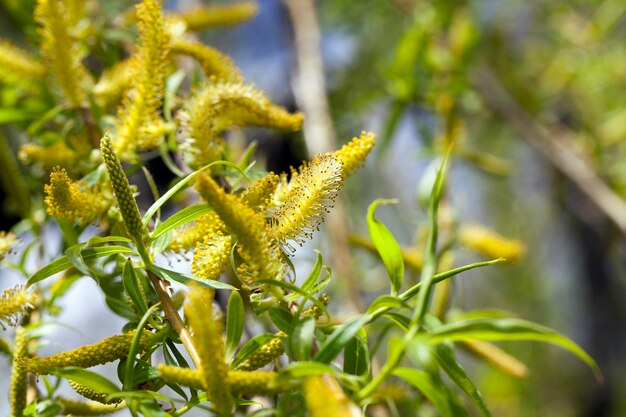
(508, 329)
(87, 378)
(301, 339)
(281, 318)
(250, 347)
(387, 246)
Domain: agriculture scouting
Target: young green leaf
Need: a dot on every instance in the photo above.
(356, 358)
(301, 339)
(235, 320)
(182, 217)
(250, 347)
(338, 339)
(170, 275)
(387, 246)
(281, 319)
(131, 285)
(87, 378)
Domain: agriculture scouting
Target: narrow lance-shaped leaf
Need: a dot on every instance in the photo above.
(235, 321)
(387, 246)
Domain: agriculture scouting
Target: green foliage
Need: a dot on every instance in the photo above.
(277, 335)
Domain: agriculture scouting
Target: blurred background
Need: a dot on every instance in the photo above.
(530, 98)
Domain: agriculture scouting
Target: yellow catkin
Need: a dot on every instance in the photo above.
(93, 395)
(113, 83)
(211, 256)
(491, 244)
(14, 302)
(217, 15)
(19, 382)
(19, 68)
(259, 194)
(61, 52)
(107, 350)
(263, 355)
(496, 357)
(325, 398)
(213, 62)
(310, 197)
(208, 340)
(73, 201)
(86, 408)
(149, 70)
(247, 226)
(57, 154)
(8, 241)
(123, 192)
(220, 106)
(207, 225)
(354, 153)
(240, 382)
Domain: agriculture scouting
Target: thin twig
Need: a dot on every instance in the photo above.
(173, 318)
(553, 146)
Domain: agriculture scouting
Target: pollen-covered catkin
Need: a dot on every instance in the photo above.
(353, 154)
(19, 382)
(13, 302)
(107, 350)
(310, 196)
(252, 383)
(213, 62)
(19, 68)
(93, 395)
(208, 340)
(86, 408)
(491, 244)
(264, 355)
(121, 187)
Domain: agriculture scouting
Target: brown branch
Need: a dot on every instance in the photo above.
(553, 146)
(173, 318)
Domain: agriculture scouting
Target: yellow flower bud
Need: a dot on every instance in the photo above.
(93, 395)
(217, 15)
(123, 192)
(491, 244)
(7, 242)
(250, 383)
(107, 350)
(86, 408)
(19, 382)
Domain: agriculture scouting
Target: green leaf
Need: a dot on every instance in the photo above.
(182, 217)
(281, 318)
(87, 378)
(444, 354)
(309, 283)
(356, 358)
(508, 329)
(63, 263)
(176, 188)
(235, 320)
(132, 287)
(432, 388)
(385, 303)
(301, 339)
(302, 370)
(11, 115)
(250, 347)
(169, 275)
(74, 255)
(97, 240)
(387, 246)
(338, 339)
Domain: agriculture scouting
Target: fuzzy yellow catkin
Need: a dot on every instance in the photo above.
(19, 382)
(496, 357)
(58, 154)
(208, 341)
(353, 154)
(73, 201)
(240, 382)
(13, 302)
(123, 192)
(311, 195)
(149, 69)
(217, 15)
(86, 408)
(61, 52)
(247, 226)
(7, 241)
(325, 398)
(93, 395)
(213, 62)
(259, 195)
(211, 256)
(207, 225)
(18, 68)
(491, 244)
(107, 350)
(113, 83)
